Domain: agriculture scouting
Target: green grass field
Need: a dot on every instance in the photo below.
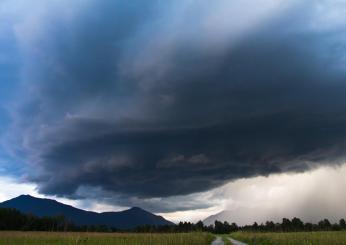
(39, 238)
(293, 238)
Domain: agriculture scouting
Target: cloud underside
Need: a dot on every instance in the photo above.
(140, 101)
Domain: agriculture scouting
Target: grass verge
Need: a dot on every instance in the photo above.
(292, 238)
(70, 238)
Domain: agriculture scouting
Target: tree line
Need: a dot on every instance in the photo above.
(218, 227)
(12, 219)
(296, 225)
(287, 225)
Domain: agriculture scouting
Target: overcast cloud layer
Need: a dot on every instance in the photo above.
(144, 100)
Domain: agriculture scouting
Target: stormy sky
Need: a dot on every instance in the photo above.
(159, 103)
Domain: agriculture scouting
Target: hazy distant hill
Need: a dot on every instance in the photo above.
(246, 216)
(242, 216)
(46, 207)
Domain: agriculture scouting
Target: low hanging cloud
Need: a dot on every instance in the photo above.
(148, 100)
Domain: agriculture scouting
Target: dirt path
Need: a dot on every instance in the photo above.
(235, 242)
(218, 241)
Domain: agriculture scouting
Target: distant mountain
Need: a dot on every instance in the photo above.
(243, 216)
(248, 215)
(127, 219)
(211, 219)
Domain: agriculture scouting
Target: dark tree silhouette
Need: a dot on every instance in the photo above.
(297, 224)
(11, 219)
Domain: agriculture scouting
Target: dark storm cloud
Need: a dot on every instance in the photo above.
(121, 97)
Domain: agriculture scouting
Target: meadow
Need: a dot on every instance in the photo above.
(71, 238)
(292, 238)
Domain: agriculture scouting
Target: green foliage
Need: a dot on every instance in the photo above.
(11, 219)
(295, 225)
(224, 228)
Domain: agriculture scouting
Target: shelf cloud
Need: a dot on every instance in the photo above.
(140, 100)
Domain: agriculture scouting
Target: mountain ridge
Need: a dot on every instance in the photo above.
(126, 219)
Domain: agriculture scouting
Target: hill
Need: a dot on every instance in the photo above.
(243, 216)
(126, 219)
